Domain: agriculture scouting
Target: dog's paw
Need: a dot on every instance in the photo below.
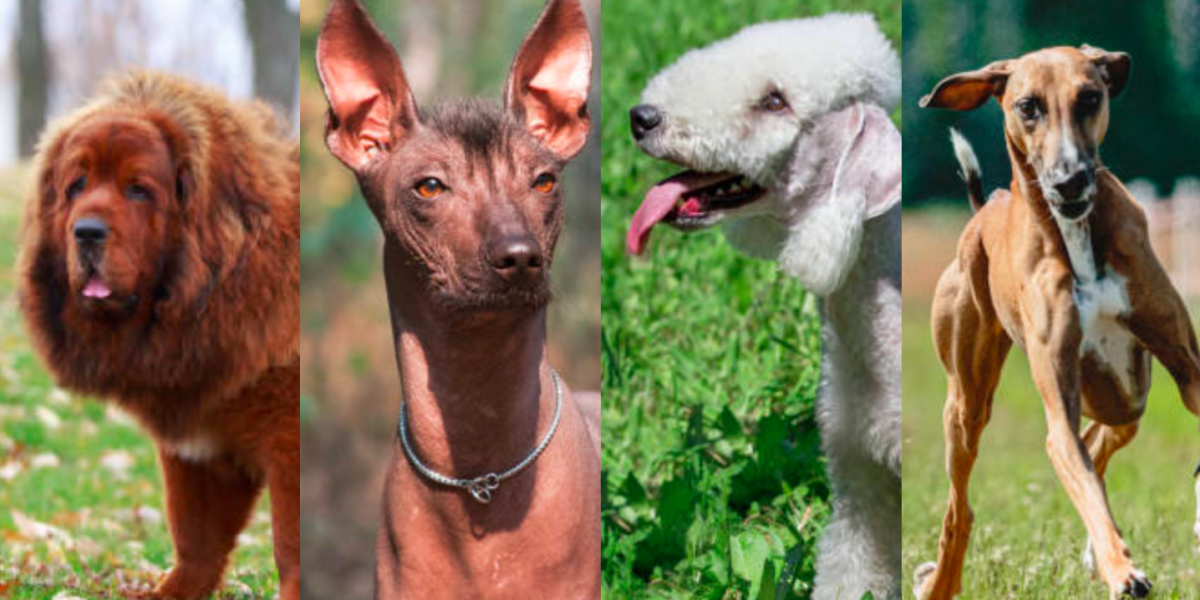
(1136, 585)
(1089, 558)
(920, 575)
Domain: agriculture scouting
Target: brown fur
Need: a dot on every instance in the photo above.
(1014, 282)
(198, 340)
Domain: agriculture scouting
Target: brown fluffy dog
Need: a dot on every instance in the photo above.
(160, 269)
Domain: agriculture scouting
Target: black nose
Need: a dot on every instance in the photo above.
(1072, 187)
(90, 230)
(642, 119)
(515, 257)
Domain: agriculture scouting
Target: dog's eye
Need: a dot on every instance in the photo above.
(1027, 107)
(77, 186)
(545, 183)
(429, 188)
(773, 102)
(138, 192)
(1089, 101)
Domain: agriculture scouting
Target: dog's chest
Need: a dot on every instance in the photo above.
(1108, 349)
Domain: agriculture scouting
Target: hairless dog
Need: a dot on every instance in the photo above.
(1059, 264)
(493, 488)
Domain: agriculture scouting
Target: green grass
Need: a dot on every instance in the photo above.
(1027, 537)
(714, 486)
(87, 471)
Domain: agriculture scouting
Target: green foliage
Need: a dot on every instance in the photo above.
(713, 480)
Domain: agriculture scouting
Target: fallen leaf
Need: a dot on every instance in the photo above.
(48, 418)
(10, 470)
(45, 460)
(117, 461)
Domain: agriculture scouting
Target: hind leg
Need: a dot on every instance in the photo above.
(1102, 441)
(972, 348)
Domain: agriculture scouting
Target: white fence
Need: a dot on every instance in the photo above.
(1175, 231)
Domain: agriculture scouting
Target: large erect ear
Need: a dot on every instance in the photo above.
(370, 104)
(548, 86)
(1114, 67)
(969, 90)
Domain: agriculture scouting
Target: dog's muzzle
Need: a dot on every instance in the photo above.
(1070, 196)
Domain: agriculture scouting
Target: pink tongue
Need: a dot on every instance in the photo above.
(659, 202)
(96, 289)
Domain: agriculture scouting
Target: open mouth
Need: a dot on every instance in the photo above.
(688, 201)
(1074, 210)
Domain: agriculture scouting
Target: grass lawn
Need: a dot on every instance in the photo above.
(1027, 538)
(714, 486)
(81, 497)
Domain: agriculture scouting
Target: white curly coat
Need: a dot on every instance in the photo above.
(844, 245)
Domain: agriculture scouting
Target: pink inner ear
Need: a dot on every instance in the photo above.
(556, 96)
(549, 82)
(362, 108)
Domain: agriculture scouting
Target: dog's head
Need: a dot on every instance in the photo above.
(783, 134)
(112, 189)
(467, 195)
(1055, 105)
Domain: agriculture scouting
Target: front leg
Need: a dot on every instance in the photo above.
(1160, 322)
(1052, 342)
(208, 504)
(283, 481)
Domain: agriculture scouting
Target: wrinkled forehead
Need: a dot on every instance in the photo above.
(478, 145)
(1053, 72)
(106, 143)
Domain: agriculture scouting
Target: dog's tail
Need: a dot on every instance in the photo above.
(970, 172)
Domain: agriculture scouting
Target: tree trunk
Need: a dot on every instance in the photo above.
(32, 76)
(272, 27)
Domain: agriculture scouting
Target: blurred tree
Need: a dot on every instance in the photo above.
(1154, 123)
(271, 27)
(32, 75)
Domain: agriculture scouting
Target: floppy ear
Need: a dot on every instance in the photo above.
(871, 163)
(370, 104)
(1114, 67)
(547, 87)
(971, 89)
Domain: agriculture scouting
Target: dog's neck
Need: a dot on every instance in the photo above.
(853, 314)
(476, 388)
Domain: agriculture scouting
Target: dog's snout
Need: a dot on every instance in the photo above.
(642, 119)
(514, 257)
(90, 230)
(1071, 188)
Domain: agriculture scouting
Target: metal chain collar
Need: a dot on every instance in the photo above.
(481, 488)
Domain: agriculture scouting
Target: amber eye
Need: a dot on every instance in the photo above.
(773, 102)
(545, 183)
(429, 188)
(77, 186)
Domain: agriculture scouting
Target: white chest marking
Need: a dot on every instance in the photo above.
(197, 448)
(1101, 300)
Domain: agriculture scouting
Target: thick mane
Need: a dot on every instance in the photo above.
(227, 303)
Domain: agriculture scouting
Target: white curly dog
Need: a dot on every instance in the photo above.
(784, 133)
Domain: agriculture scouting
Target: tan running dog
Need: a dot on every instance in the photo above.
(493, 490)
(1061, 265)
